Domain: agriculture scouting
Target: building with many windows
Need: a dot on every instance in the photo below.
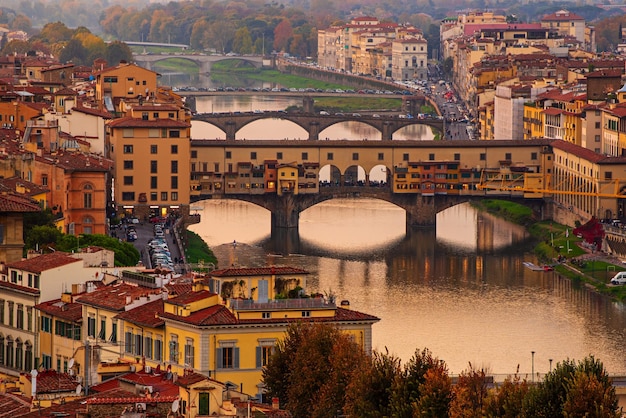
(228, 325)
(151, 148)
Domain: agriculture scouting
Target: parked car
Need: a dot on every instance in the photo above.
(619, 278)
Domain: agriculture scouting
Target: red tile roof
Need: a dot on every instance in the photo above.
(78, 405)
(44, 262)
(78, 162)
(13, 202)
(72, 312)
(50, 381)
(220, 315)
(553, 111)
(12, 183)
(129, 122)
(145, 315)
(114, 297)
(13, 405)
(165, 388)
(19, 288)
(562, 15)
(190, 297)
(257, 271)
(91, 111)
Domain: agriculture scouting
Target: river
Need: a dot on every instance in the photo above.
(459, 289)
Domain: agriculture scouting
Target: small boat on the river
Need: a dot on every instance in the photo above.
(534, 267)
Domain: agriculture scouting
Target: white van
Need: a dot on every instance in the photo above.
(619, 278)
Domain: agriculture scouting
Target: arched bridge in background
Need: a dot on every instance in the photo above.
(231, 123)
(204, 62)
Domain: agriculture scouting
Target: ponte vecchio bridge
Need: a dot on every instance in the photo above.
(284, 176)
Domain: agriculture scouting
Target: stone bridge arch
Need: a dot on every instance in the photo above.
(421, 210)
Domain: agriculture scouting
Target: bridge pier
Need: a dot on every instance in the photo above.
(285, 212)
(387, 132)
(314, 131)
(422, 213)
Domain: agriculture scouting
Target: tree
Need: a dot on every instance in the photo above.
(435, 393)
(22, 22)
(507, 400)
(470, 394)
(282, 34)
(407, 386)
(117, 52)
(42, 237)
(311, 368)
(369, 392)
(569, 388)
(74, 51)
(588, 396)
(242, 43)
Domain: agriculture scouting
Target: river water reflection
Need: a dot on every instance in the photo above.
(460, 289)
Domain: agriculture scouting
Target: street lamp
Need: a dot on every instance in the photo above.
(532, 353)
(550, 360)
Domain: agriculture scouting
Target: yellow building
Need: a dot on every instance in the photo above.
(101, 329)
(227, 327)
(60, 339)
(287, 179)
(152, 154)
(533, 121)
(124, 81)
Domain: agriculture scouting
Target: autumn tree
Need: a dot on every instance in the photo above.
(22, 22)
(369, 393)
(407, 386)
(311, 368)
(506, 401)
(435, 393)
(470, 394)
(282, 34)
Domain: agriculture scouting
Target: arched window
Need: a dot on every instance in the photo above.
(19, 354)
(87, 196)
(28, 357)
(9, 352)
(1, 349)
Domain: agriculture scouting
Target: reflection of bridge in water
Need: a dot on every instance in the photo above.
(231, 123)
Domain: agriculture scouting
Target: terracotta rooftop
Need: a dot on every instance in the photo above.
(114, 297)
(156, 379)
(190, 297)
(19, 288)
(220, 315)
(14, 202)
(44, 262)
(30, 188)
(13, 405)
(78, 161)
(145, 315)
(257, 271)
(73, 407)
(72, 312)
(51, 381)
(91, 111)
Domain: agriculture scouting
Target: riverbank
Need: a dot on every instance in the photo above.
(558, 247)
